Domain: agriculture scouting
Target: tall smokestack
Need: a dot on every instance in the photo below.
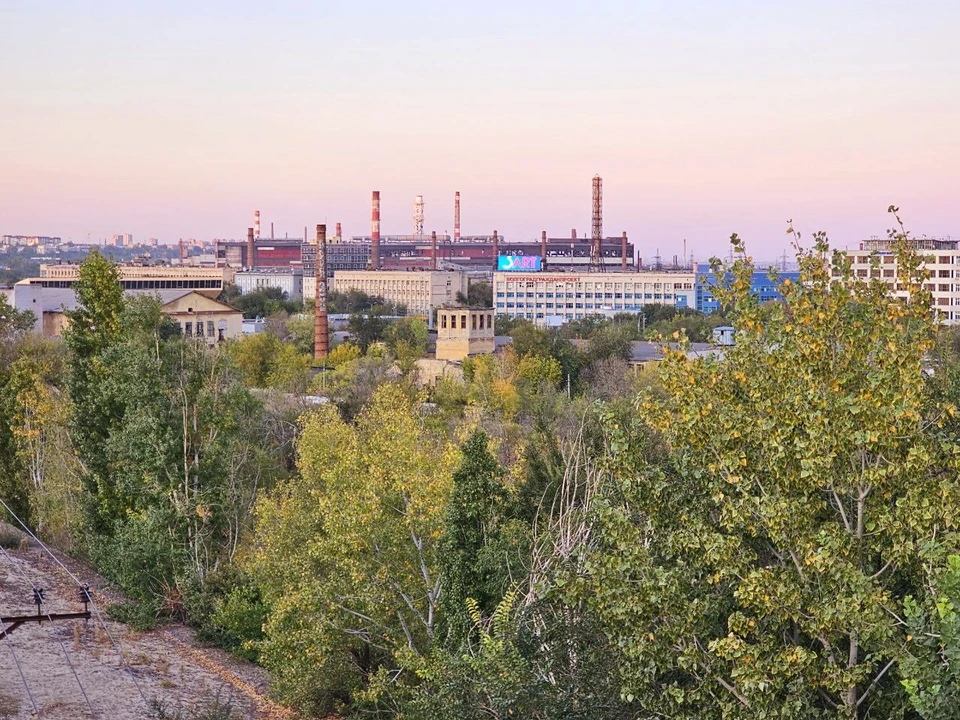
(433, 251)
(375, 232)
(304, 234)
(418, 215)
(183, 251)
(256, 224)
(320, 333)
(251, 260)
(271, 231)
(623, 252)
(338, 233)
(596, 247)
(543, 248)
(456, 215)
(573, 234)
(496, 248)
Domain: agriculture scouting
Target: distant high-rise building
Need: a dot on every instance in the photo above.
(116, 240)
(127, 240)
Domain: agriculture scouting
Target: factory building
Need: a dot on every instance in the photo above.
(462, 332)
(548, 298)
(415, 252)
(269, 253)
(420, 291)
(288, 279)
(340, 256)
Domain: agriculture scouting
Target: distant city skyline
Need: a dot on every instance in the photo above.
(181, 119)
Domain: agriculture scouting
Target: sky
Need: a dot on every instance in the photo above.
(179, 119)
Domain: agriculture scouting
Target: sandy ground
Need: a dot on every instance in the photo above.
(166, 664)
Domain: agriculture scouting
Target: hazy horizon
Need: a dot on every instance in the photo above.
(180, 120)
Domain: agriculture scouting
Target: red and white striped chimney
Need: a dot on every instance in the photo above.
(456, 215)
(256, 224)
(375, 232)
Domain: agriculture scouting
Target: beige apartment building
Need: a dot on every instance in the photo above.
(942, 259)
(421, 291)
(549, 298)
(462, 332)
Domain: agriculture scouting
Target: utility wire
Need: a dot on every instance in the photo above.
(52, 633)
(23, 677)
(96, 610)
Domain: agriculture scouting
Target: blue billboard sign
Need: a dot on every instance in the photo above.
(519, 263)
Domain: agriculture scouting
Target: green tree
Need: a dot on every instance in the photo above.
(352, 384)
(409, 330)
(343, 353)
(300, 330)
(479, 295)
(471, 524)
(931, 664)
(93, 327)
(368, 328)
(762, 569)
(352, 302)
(609, 342)
(538, 371)
(266, 361)
(346, 555)
(181, 463)
(12, 321)
(265, 302)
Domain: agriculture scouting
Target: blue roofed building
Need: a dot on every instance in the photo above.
(761, 285)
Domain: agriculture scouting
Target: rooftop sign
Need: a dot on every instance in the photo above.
(519, 263)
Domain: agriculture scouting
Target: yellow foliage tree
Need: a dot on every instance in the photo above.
(347, 552)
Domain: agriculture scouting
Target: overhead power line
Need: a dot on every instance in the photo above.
(38, 594)
(93, 605)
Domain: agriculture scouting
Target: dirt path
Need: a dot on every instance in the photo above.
(164, 664)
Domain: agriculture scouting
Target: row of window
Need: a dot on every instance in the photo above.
(599, 286)
(586, 296)
(212, 331)
(569, 306)
(147, 284)
(485, 321)
(579, 296)
(891, 259)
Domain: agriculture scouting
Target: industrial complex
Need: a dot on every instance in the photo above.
(549, 281)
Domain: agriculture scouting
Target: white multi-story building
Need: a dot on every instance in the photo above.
(877, 259)
(290, 280)
(551, 297)
(421, 291)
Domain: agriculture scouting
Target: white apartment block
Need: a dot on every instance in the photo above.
(942, 259)
(553, 298)
(421, 291)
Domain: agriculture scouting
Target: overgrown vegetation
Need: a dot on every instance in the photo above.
(770, 533)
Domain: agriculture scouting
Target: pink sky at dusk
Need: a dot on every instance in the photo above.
(171, 120)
